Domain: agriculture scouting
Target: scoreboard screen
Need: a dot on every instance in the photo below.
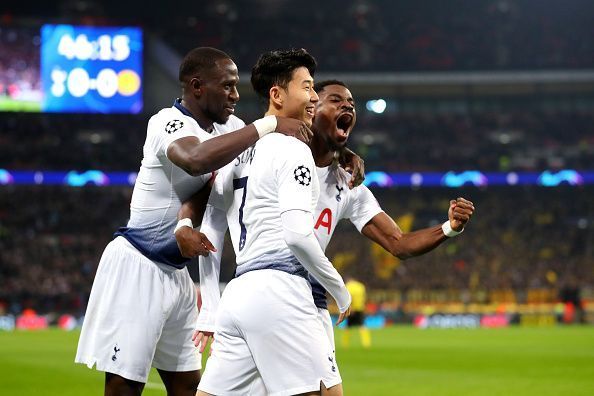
(88, 69)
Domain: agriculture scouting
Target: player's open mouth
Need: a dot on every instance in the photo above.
(310, 111)
(230, 109)
(343, 124)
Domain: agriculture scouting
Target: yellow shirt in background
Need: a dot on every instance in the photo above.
(358, 293)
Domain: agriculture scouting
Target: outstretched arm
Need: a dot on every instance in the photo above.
(384, 231)
(198, 158)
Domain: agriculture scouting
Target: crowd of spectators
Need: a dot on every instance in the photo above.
(384, 35)
(51, 239)
(34, 141)
(391, 142)
(489, 141)
(520, 239)
(362, 35)
(20, 78)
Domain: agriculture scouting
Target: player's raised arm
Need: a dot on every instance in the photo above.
(209, 81)
(198, 158)
(384, 231)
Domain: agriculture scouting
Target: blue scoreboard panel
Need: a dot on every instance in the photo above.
(88, 69)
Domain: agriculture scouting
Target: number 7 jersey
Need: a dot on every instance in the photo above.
(275, 175)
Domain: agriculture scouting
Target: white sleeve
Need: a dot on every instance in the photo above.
(214, 226)
(166, 130)
(216, 197)
(363, 207)
(296, 177)
(298, 233)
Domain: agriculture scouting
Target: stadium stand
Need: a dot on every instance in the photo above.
(392, 142)
(366, 35)
(525, 244)
(51, 239)
(387, 36)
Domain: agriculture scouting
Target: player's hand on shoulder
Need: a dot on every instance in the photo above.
(353, 164)
(192, 243)
(460, 212)
(295, 128)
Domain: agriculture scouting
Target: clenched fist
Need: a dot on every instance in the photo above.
(460, 212)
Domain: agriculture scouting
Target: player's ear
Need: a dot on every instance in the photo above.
(276, 96)
(196, 85)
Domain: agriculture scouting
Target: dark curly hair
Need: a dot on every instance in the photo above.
(319, 86)
(276, 68)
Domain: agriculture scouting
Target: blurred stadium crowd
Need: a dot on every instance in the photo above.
(51, 239)
(19, 70)
(391, 142)
(384, 35)
(362, 35)
(524, 244)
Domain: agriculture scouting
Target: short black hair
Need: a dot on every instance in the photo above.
(199, 60)
(276, 68)
(319, 86)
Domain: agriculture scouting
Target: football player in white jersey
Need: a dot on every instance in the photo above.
(333, 123)
(142, 309)
(334, 120)
(267, 324)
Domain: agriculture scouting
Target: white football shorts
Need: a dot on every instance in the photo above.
(140, 313)
(333, 377)
(326, 321)
(268, 326)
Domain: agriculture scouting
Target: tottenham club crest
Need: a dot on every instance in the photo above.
(339, 191)
(173, 126)
(302, 175)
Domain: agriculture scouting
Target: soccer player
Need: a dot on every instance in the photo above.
(334, 120)
(267, 324)
(357, 316)
(333, 123)
(142, 309)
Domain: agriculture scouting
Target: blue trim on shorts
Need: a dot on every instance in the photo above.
(288, 264)
(162, 249)
(318, 292)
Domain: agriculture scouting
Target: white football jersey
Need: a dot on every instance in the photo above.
(161, 186)
(337, 202)
(275, 175)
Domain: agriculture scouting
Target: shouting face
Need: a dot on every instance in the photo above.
(335, 115)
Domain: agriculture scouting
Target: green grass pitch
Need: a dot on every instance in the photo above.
(7, 104)
(401, 361)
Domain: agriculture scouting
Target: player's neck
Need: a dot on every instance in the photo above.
(202, 120)
(322, 154)
(275, 112)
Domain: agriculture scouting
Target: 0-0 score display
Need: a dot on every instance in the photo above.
(91, 69)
